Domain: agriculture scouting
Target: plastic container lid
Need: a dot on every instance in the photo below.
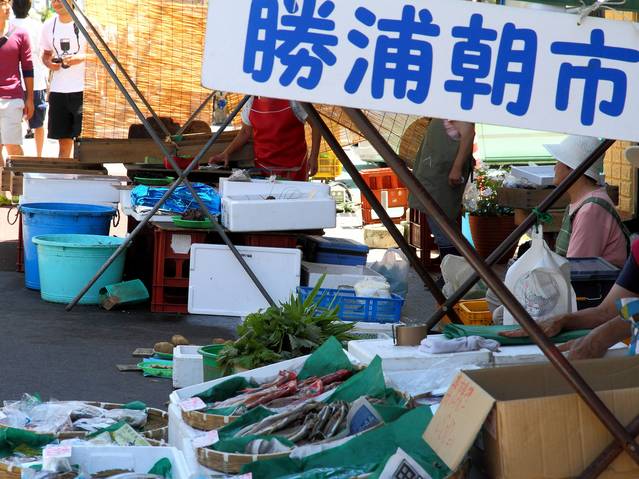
(588, 269)
(339, 244)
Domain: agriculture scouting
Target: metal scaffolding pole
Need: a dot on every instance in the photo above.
(316, 120)
(181, 174)
(492, 280)
(530, 220)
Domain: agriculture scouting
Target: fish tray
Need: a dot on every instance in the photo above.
(156, 427)
(206, 422)
(231, 463)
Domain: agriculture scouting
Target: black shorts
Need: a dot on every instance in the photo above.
(39, 109)
(65, 115)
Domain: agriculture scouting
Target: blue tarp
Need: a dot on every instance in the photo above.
(180, 200)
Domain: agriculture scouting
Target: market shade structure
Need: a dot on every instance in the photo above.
(382, 146)
(628, 5)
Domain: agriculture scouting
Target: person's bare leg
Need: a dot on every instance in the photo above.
(38, 134)
(66, 147)
(15, 150)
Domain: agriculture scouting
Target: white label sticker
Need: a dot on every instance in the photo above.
(56, 452)
(192, 404)
(207, 439)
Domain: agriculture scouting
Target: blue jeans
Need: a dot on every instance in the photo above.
(441, 239)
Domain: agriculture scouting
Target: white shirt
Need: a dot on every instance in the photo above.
(69, 80)
(34, 28)
(298, 111)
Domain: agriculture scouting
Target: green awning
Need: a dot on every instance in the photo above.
(629, 6)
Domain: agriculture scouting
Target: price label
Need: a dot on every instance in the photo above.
(54, 452)
(207, 439)
(192, 404)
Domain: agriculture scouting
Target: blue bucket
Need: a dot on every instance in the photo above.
(54, 218)
(68, 262)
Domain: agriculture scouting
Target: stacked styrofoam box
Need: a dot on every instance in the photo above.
(273, 188)
(188, 367)
(67, 188)
(94, 459)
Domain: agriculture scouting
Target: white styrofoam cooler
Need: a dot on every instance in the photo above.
(188, 367)
(402, 358)
(94, 459)
(336, 275)
(274, 188)
(254, 213)
(66, 188)
(537, 175)
(529, 354)
(219, 285)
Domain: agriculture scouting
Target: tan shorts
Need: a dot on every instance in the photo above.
(11, 112)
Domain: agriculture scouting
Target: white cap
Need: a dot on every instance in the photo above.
(574, 150)
(632, 155)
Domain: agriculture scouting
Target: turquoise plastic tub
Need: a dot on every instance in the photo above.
(68, 262)
(58, 218)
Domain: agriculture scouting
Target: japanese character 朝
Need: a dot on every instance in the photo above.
(402, 56)
(300, 40)
(592, 74)
(471, 61)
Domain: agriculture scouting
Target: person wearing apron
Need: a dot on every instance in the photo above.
(591, 226)
(279, 139)
(443, 166)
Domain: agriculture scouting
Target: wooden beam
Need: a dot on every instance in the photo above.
(57, 169)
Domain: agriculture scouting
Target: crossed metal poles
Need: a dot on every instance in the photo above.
(623, 437)
(571, 375)
(182, 174)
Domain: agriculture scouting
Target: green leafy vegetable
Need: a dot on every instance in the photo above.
(292, 329)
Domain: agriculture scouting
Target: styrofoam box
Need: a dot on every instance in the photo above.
(252, 213)
(65, 188)
(219, 285)
(337, 276)
(95, 459)
(188, 367)
(274, 188)
(403, 358)
(529, 354)
(537, 175)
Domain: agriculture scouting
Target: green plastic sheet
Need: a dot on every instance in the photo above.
(328, 358)
(367, 451)
(162, 468)
(11, 438)
(369, 382)
(452, 331)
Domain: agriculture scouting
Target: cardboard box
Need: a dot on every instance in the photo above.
(533, 423)
(526, 198)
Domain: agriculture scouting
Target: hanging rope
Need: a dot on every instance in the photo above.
(542, 218)
(586, 10)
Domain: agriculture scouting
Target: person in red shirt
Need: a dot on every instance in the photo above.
(279, 139)
(15, 57)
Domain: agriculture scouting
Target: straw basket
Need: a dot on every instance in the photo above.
(206, 422)
(10, 472)
(231, 463)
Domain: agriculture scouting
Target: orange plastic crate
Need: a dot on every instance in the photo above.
(474, 312)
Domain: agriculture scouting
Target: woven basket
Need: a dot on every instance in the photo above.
(230, 463)
(206, 422)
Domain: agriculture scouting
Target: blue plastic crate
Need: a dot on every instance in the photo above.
(357, 308)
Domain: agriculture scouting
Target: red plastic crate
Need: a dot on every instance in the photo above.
(383, 182)
(381, 179)
(170, 284)
(268, 240)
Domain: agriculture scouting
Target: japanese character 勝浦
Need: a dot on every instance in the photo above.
(401, 55)
(300, 40)
(592, 74)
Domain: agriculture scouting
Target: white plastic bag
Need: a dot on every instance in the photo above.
(372, 288)
(394, 267)
(455, 271)
(540, 280)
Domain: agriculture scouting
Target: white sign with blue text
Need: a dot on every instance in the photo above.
(441, 58)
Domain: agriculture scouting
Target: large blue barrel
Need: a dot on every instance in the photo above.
(58, 218)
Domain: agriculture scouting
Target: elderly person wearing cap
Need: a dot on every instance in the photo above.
(591, 226)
